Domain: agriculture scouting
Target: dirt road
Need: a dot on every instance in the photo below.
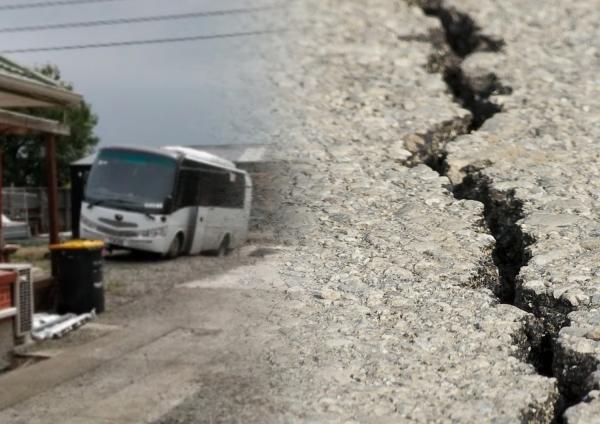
(158, 351)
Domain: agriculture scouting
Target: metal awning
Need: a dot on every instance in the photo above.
(22, 87)
(21, 124)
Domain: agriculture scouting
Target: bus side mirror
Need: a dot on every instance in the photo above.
(168, 204)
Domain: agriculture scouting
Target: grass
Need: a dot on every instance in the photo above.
(37, 256)
(115, 287)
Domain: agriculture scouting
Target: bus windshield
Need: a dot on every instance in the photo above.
(131, 180)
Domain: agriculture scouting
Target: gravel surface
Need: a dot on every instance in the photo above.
(129, 277)
(136, 282)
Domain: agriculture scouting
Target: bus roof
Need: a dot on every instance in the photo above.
(202, 157)
(179, 151)
(151, 150)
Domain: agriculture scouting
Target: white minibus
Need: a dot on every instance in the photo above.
(171, 201)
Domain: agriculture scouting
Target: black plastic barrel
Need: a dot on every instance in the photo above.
(77, 267)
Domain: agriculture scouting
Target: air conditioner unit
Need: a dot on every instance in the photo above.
(23, 299)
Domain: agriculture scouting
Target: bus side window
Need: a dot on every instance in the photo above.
(204, 187)
(219, 189)
(211, 188)
(230, 190)
(188, 189)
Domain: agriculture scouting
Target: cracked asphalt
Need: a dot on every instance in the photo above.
(436, 219)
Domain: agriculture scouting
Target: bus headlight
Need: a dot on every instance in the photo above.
(155, 232)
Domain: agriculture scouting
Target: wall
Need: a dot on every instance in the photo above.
(6, 296)
(6, 341)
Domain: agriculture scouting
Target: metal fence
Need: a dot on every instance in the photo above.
(31, 205)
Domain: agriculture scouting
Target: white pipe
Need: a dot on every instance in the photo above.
(8, 312)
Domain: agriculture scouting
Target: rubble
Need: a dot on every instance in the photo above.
(53, 326)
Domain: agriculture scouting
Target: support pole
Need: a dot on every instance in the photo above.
(52, 182)
(2, 259)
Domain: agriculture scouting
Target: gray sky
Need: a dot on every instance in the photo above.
(206, 92)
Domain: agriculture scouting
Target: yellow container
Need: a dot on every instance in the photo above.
(79, 245)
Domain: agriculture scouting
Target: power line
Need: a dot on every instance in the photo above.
(18, 6)
(145, 42)
(122, 21)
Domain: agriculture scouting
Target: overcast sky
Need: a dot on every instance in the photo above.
(205, 92)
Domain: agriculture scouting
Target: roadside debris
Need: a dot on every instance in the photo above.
(52, 326)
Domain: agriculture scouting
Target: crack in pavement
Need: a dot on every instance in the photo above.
(463, 37)
(539, 237)
(408, 323)
(502, 210)
(564, 333)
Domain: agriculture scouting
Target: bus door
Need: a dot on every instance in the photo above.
(198, 229)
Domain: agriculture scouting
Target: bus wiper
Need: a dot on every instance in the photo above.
(132, 206)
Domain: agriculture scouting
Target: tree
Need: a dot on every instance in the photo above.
(24, 162)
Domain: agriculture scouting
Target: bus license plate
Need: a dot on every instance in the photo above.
(116, 241)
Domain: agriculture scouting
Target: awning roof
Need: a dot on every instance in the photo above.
(21, 124)
(21, 87)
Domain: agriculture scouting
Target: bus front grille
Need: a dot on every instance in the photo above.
(116, 233)
(118, 224)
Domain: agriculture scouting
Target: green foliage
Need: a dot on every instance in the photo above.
(24, 162)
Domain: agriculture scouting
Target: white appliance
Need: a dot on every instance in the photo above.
(23, 299)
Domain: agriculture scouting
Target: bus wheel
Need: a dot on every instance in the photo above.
(175, 248)
(223, 248)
